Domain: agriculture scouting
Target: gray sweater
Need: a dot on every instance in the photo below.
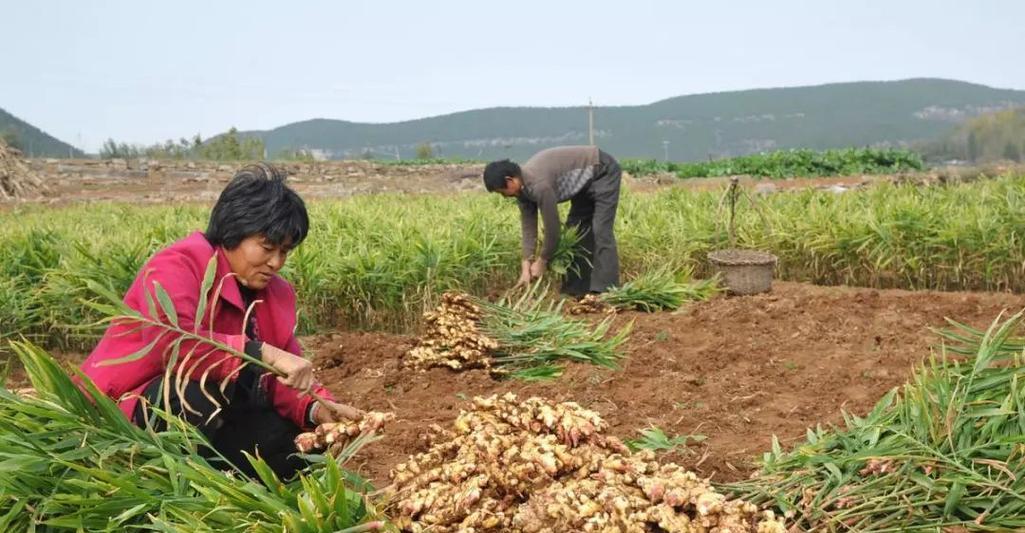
(550, 177)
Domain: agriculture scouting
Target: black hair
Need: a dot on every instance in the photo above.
(497, 171)
(257, 202)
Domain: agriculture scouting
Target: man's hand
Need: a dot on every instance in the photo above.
(537, 269)
(524, 274)
(298, 372)
(327, 411)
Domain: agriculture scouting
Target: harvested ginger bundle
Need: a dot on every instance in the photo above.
(537, 466)
(335, 436)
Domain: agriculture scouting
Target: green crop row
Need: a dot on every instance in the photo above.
(788, 164)
(380, 261)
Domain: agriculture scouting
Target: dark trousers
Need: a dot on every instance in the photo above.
(247, 422)
(592, 212)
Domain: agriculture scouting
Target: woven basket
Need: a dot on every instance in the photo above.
(744, 271)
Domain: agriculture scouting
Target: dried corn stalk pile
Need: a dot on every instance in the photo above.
(16, 180)
(451, 337)
(335, 436)
(539, 467)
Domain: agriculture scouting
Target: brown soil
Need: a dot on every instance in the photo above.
(735, 369)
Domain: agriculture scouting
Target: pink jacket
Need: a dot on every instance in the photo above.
(180, 269)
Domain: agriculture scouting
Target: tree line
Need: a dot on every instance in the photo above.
(998, 136)
(230, 146)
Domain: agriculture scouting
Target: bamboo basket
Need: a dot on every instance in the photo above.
(744, 271)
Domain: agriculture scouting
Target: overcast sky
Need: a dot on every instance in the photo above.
(141, 71)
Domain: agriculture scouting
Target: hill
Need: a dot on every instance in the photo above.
(33, 141)
(714, 125)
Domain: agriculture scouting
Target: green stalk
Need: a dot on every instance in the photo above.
(70, 460)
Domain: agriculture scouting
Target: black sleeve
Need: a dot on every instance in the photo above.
(309, 414)
(254, 349)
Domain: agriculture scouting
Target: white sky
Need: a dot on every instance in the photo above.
(143, 71)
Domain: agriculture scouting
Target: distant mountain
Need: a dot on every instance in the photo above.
(893, 113)
(32, 140)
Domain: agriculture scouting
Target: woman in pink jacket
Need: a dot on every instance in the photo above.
(256, 222)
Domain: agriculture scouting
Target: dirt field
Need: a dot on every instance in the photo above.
(736, 370)
(141, 181)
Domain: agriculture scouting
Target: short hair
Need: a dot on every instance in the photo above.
(497, 171)
(257, 202)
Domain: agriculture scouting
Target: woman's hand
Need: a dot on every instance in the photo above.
(325, 411)
(298, 372)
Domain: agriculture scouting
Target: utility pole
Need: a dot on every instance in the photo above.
(590, 122)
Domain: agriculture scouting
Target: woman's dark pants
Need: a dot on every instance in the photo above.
(246, 422)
